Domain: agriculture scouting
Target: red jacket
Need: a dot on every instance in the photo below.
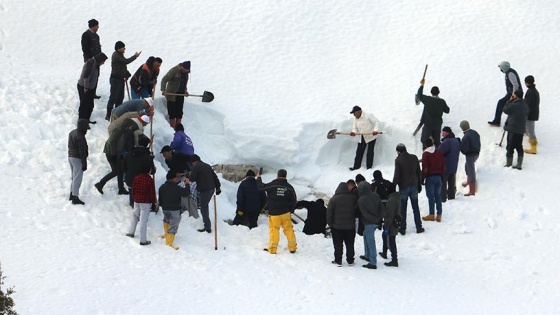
(433, 163)
(144, 189)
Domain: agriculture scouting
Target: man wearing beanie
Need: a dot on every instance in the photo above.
(434, 107)
(91, 45)
(119, 76)
(365, 125)
(512, 84)
(144, 79)
(175, 81)
(470, 147)
(517, 111)
(87, 84)
(250, 201)
(532, 98)
(450, 147)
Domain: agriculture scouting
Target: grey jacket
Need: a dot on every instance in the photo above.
(204, 176)
(517, 112)
(341, 210)
(118, 65)
(370, 204)
(77, 144)
(171, 82)
(90, 74)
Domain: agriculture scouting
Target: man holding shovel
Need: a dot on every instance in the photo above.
(175, 82)
(365, 125)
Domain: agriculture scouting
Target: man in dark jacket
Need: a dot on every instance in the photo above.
(372, 212)
(87, 84)
(91, 45)
(470, 147)
(532, 99)
(390, 228)
(145, 78)
(409, 179)
(517, 112)
(434, 107)
(207, 183)
(250, 201)
(513, 84)
(281, 200)
(316, 219)
(176, 161)
(379, 185)
(450, 147)
(119, 75)
(433, 169)
(77, 157)
(341, 218)
(170, 194)
(138, 159)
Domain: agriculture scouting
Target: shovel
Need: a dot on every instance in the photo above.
(416, 98)
(332, 134)
(207, 97)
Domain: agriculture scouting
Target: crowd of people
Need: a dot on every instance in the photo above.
(357, 206)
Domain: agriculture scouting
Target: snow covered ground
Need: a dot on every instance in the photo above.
(284, 73)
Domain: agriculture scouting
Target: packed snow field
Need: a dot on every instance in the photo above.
(284, 73)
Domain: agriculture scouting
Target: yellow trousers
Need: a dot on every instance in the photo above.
(274, 223)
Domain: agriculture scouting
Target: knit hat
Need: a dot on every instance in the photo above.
(377, 174)
(119, 45)
(143, 140)
(250, 173)
(186, 65)
(355, 109)
(92, 23)
(465, 125)
(145, 119)
(446, 129)
(401, 148)
(360, 178)
(165, 148)
(150, 101)
(519, 93)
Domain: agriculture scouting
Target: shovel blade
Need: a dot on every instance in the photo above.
(207, 97)
(331, 134)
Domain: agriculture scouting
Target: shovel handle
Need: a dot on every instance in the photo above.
(425, 70)
(357, 134)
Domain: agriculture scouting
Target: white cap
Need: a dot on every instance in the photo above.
(150, 101)
(145, 118)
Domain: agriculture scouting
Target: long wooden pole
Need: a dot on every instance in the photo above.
(215, 225)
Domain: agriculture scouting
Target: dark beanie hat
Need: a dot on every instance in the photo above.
(92, 23)
(171, 174)
(401, 148)
(119, 45)
(464, 125)
(143, 140)
(165, 148)
(428, 142)
(435, 91)
(360, 178)
(250, 173)
(530, 79)
(186, 65)
(377, 174)
(519, 93)
(446, 129)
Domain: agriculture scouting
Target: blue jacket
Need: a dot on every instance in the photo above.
(450, 147)
(130, 106)
(470, 144)
(182, 143)
(249, 198)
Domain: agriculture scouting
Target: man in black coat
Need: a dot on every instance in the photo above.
(316, 220)
(341, 218)
(176, 161)
(533, 99)
(250, 201)
(207, 183)
(517, 112)
(136, 161)
(91, 45)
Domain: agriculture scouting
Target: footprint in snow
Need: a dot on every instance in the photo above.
(491, 223)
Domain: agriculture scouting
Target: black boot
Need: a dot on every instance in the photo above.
(108, 116)
(393, 263)
(71, 196)
(123, 191)
(383, 254)
(99, 187)
(77, 201)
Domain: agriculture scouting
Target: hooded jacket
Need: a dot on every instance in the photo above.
(77, 144)
(341, 210)
(122, 138)
(249, 198)
(370, 205)
(136, 163)
(90, 72)
(517, 112)
(433, 162)
(450, 147)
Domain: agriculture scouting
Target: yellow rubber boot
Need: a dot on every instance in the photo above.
(169, 238)
(165, 229)
(533, 150)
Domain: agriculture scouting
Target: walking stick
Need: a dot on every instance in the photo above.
(502, 139)
(152, 122)
(127, 89)
(215, 225)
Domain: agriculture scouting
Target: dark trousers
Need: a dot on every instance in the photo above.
(117, 93)
(86, 102)
(360, 153)
(448, 188)
(205, 197)
(175, 109)
(430, 131)
(248, 219)
(116, 170)
(514, 143)
(346, 237)
(390, 242)
(500, 108)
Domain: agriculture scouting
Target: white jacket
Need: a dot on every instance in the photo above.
(367, 123)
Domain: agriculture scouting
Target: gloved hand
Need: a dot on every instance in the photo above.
(239, 213)
(154, 208)
(419, 188)
(84, 167)
(218, 191)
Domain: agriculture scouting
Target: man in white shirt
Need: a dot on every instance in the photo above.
(365, 125)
